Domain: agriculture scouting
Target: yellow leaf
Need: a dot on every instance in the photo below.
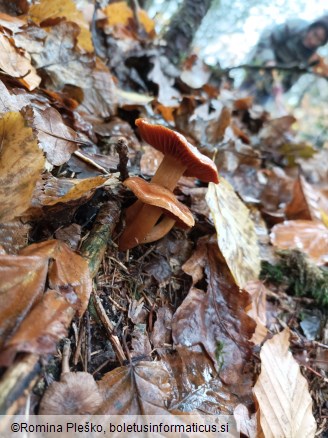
(119, 14)
(21, 164)
(236, 232)
(282, 392)
(63, 8)
(79, 189)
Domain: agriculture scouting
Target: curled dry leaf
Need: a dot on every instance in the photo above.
(235, 231)
(137, 389)
(257, 309)
(21, 164)
(46, 9)
(282, 392)
(307, 236)
(216, 318)
(54, 136)
(17, 64)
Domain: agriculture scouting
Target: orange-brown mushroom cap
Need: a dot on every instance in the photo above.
(174, 144)
(158, 196)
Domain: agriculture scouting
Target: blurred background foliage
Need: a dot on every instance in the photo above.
(232, 27)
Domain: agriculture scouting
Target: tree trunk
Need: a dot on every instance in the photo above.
(183, 27)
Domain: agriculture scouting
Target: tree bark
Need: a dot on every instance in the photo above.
(183, 27)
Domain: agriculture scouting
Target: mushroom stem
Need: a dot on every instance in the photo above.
(160, 230)
(137, 230)
(65, 357)
(169, 172)
(167, 175)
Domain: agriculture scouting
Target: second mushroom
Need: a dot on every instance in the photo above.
(180, 158)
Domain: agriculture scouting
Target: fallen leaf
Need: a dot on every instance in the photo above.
(46, 9)
(21, 164)
(22, 282)
(119, 14)
(100, 98)
(306, 202)
(141, 389)
(67, 270)
(162, 331)
(282, 392)
(247, 423)
(307, 236)
(17, 64)
(14, 235)
(257, 309)
(54, 136)
(216, 318)
(235, 232)
(54, 49)
(42, 328)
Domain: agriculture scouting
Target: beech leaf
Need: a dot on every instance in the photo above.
(21, 164)
(282, 392)
(235, 232)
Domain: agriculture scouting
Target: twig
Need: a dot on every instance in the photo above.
(122, 150)
(109, 328)
(289, 68)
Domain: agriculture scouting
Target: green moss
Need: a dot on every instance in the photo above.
(298, 275)
(219, 354)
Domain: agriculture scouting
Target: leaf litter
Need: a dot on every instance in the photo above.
(198, 327)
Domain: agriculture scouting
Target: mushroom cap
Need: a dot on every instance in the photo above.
(172, 143)
(158, 196)
(75, 394)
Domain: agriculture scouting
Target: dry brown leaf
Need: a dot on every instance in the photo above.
(282, 392)
(100, 98)
(55, 50)
(236, 234)
(141, 388)
(54, 136)
(307, 236)
(216, 318)
(17, 64)
(80, 188)
(68, 271)
(46, 9)
(257, 309)
(21, 164)
(22, 281)
(306, 202)
(42, 328)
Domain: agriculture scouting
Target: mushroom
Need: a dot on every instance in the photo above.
(155, 200)
(180, 156)
(75, 393)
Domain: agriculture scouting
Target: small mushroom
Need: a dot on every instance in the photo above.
(75, 393)
(155, 201)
